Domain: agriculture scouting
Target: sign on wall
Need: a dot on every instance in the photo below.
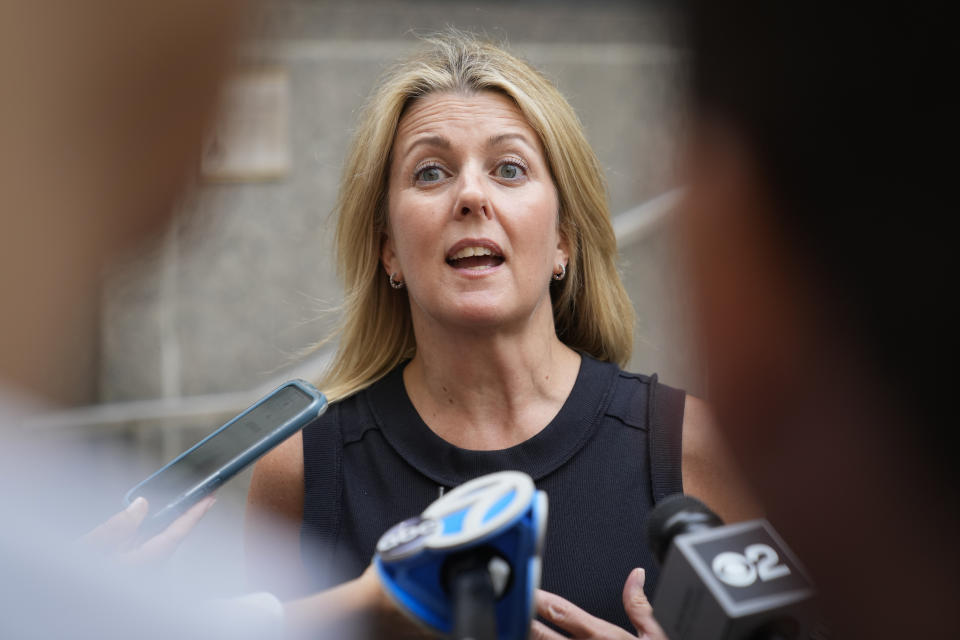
(250, 140)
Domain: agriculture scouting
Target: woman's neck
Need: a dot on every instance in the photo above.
(489, 390)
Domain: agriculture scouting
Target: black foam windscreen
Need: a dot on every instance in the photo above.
(676, 514)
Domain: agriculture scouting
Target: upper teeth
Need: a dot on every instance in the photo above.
(468, 252)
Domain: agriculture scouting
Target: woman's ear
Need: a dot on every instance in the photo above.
(388, 257)
(563, 248)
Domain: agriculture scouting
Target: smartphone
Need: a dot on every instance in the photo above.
(205, 466)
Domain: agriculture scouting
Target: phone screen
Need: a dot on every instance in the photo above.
(206, 459)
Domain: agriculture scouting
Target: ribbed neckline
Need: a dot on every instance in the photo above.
(449, 465)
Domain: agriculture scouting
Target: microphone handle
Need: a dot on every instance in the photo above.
(783, 628)
(474, 614)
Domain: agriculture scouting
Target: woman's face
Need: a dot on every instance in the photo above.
(472, 225)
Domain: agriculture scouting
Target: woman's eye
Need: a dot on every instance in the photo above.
(429, 174)
(510, 170)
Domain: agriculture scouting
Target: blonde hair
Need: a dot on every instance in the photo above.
(591, 310)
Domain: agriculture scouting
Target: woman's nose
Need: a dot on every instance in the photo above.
(472, 195)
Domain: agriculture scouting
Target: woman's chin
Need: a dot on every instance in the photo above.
(481, 311)
(490, 318)
(474, 315)
(478, 316)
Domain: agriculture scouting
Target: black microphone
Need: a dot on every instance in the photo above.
(731, 582)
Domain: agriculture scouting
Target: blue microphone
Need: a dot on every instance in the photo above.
(468, 566)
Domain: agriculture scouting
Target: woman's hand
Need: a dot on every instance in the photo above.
(581, 624)
(117, 537)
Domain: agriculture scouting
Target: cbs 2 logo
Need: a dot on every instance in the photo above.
(758, 561)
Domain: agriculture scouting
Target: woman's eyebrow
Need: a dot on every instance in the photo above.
(432, 141)
(444, 143)
(493, 141)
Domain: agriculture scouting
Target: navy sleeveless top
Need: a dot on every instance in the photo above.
(609, 455)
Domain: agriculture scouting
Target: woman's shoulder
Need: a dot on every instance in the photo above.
(708, 469)
(594, 366)
(637, 400)
(349, 396)
(354, 413)
(637, 386)
(611, 372)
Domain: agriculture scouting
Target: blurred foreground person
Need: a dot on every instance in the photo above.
(104, 106)
(822, 266)
(103, 112)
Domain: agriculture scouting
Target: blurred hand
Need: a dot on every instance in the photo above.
(580, 624)
(118, 536)
(389, 620)
(359, 608)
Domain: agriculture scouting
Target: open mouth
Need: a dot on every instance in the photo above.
(475, 258)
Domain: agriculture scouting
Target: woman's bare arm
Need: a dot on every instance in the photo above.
(358, 608)
(708, 469)
(272, 526)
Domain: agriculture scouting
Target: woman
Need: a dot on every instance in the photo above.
(485, 322)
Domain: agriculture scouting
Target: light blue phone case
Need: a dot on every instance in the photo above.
(158, 520)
